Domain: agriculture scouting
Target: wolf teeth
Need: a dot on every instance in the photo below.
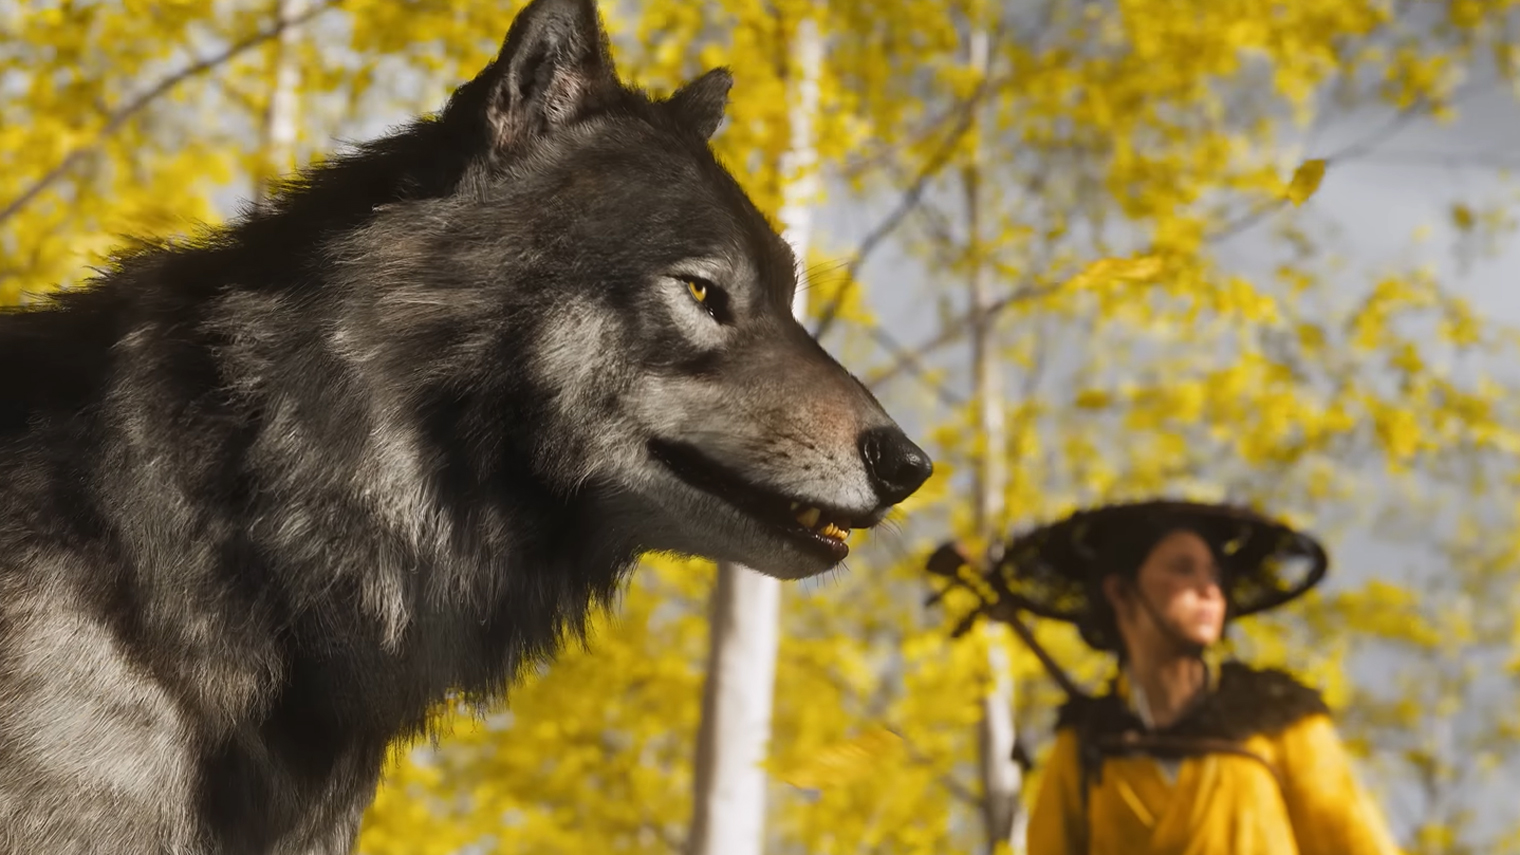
(809, 517)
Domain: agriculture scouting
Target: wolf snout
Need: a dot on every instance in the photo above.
(896, 466)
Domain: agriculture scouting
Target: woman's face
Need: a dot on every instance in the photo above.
(1180, 582)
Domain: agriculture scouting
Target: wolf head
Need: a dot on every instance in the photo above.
(619, 317)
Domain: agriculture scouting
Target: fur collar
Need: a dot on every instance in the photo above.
(1246, 703)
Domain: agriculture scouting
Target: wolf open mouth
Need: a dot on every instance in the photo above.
(817, 529)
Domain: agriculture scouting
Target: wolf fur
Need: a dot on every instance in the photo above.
(269, 495)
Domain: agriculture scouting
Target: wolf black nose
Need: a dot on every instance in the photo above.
(897, 467)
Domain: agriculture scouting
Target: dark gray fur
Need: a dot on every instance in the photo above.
(268, 495)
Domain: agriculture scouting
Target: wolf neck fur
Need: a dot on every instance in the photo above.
(462, 599)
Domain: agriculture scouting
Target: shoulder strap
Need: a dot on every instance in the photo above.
(1081, 714)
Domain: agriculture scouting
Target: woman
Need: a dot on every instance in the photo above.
(1180, 757)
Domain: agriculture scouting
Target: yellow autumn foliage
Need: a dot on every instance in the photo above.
(1306, 180)
(1124, 143)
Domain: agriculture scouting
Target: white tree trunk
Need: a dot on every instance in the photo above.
(728, 812)
(1002, 778)
(282, 115)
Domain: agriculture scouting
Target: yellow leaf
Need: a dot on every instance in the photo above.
(844, 762)
(1305, 181)
(1462, 216)
(1106, 270)
(1092, 399)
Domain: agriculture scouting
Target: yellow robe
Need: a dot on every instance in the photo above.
(1219, 804)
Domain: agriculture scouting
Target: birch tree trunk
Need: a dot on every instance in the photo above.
(282, 115)
(1002, 778)
(728, 816)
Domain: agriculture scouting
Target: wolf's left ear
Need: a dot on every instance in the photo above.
(700, 103)
(554, 63)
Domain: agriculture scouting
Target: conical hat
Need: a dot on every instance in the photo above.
(1055, 570)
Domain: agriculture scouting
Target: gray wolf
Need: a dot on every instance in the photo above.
(270, 493)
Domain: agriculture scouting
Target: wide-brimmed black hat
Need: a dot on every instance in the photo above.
(1056, 570)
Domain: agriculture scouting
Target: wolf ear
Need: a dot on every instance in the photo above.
(554, 63)
(700, 103)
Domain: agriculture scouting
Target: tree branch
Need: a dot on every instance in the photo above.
(907, 360)
(910, 360)
(910, 199)
(125, 112)
(1448, 160)
(864, 164)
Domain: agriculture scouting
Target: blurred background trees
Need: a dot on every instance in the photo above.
(1088, 250)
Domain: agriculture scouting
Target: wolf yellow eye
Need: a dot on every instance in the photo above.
(710, 297)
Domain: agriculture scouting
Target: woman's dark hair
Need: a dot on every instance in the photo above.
(1122, 553)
